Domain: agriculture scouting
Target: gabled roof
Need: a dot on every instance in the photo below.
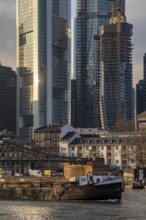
(51, 127)
(143, 113)
(69, 135)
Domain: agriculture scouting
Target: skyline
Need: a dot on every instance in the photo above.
(135, 14)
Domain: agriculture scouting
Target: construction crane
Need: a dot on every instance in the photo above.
(119, 15)
(116, 19)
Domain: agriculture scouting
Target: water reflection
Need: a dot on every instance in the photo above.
(132, 207)
(26, 211)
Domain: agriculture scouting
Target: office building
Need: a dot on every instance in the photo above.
(43, 64)
(7, 99)
(91, 15)
(140, 97)
(141, 91)
(116, 90)
(144, 76)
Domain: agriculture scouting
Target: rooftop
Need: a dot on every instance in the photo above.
(50, 127)
(69, 135)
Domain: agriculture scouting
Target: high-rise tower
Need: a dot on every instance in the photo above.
(116, 71)
(43, 64)
(7, 99)
(91, 15)
(144, 76)
(141, 91)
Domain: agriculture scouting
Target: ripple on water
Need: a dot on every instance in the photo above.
(131, 207)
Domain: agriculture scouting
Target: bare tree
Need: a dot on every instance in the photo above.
(140, 150)
(122, 126)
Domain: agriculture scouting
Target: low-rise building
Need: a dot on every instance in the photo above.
(117, 149)
(95, 167)
(141, 122)
(47, 139)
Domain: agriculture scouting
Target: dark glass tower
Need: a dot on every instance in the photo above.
(91, 15)
(116, 72)
(144, 75)
(140, 97)
(7, 99)
(141, 91)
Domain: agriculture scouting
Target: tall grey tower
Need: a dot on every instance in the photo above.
(43, 64)
(91, 14)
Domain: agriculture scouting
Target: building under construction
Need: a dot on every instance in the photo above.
(91, 14)
(115, 70)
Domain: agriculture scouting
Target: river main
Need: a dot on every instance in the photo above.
(131, 207)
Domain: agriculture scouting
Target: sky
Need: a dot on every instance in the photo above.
(135, 13)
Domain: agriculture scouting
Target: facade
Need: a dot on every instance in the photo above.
(47, 139)
(91, 14)
(118, 150)
(116, 92)
(43, 64)
(74, 48)
(95, 167)
(7, 99)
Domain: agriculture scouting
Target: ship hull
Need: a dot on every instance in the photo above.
(60, 190)
(93, 192)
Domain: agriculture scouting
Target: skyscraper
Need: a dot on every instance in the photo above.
(140, 97)
(144, 76)
(116, 71)
(43, 64)
(7, 98)
(141, 91)
(91, 15)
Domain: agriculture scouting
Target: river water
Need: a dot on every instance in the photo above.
(131, 207)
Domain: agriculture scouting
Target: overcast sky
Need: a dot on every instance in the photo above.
(136, 15)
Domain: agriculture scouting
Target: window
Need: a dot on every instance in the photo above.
(124, 147)
(83, 179)
(47, 135)
(94, 148)
(26, 38)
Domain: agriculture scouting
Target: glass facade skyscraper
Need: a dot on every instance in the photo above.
(91, 14)
(43, 64)
(7, 99)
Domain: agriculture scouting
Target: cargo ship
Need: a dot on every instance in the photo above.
(48, 189)
(93, 188)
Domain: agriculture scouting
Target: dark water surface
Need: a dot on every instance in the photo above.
(131, 207)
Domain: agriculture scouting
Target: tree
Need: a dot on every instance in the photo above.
(122, 126)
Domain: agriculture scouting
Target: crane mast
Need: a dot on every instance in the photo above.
(117, 18)
(118, 58)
